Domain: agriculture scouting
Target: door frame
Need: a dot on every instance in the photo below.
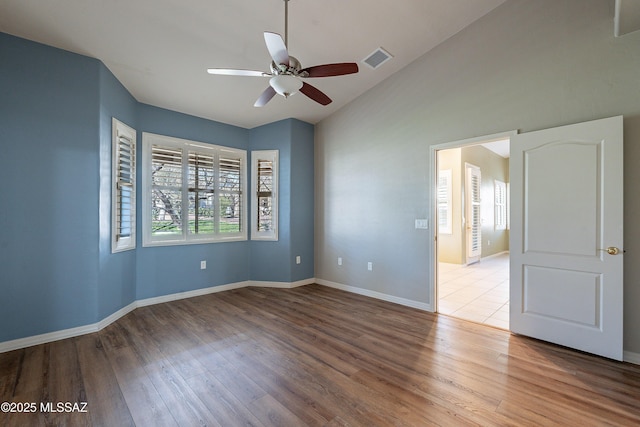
(433, 205)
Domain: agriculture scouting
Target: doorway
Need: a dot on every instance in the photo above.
(472, 234)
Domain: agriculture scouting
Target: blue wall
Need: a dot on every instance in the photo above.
(56, 266)
(275, 261)
(302, 199)
(170, 269)
(117, 274)
(49, 121)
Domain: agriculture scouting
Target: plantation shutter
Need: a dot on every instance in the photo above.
(166, 187)
(474, 243)
(230, 197)
(193, 192)
(201, 192)
(125, 176)
(265, 194)
(500, 205)
(444, 199)
(123, 187)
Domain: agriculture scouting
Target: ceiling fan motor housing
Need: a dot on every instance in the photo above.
(294, 68)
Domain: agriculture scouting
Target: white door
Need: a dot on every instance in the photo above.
(566, 210)
(473, 218)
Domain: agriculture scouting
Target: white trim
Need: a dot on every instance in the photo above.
(282, 285)
(109, 319)
(433, 202)
(377, 295)
(494, 255)
(190, 294)
(631, 357)
(98, 326)
(48, 337)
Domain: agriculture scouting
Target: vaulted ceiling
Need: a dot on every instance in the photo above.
(160, 49)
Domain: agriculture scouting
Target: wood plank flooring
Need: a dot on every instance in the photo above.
(311, 356)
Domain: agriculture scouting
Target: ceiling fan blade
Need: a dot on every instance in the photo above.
(265, 97)
(276, 47)
(330, 70)
(315, 94)
(233, 72)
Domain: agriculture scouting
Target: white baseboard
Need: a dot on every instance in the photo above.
(281, 285)
(495, 255)
(109, 319)
(48, 337)
(95, 327)
(190, 294)
(375, 294)
(631, 357)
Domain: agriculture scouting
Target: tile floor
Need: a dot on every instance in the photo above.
(477, 292)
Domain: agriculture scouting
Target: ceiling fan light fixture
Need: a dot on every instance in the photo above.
(287, 73)
(285, 84)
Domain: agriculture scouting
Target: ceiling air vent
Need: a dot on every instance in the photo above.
(377, 58)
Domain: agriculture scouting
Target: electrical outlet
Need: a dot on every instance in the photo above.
(203, 265)
(298, 260)
(370, 266)
(339, 260)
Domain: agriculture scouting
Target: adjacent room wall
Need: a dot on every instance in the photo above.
(451, 246)
(492, 167)
(528, 65)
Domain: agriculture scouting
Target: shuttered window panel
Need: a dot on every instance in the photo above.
(124, 187)
(264, 197)
(202, 177)
(230, 184)
(474, 243)
(166, 191)
(500, 194)
(444, 200)
(125, 173)
(193, 192)
(264, 194)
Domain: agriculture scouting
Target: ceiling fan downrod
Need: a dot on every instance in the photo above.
(286, 72)
(286, 23)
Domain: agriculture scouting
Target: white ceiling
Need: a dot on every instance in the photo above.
(501, 147)
(160, 49)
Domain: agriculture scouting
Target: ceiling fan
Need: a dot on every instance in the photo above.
(286, 72)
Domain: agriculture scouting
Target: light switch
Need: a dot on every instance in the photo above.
(422, 224)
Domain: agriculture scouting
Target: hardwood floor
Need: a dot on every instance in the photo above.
(311, 356)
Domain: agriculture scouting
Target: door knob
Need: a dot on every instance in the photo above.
(611, 250)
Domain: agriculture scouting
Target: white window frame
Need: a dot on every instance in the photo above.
(120, 132)
(186, 237)
(500, 201)
(272, 234)
(445, 201)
